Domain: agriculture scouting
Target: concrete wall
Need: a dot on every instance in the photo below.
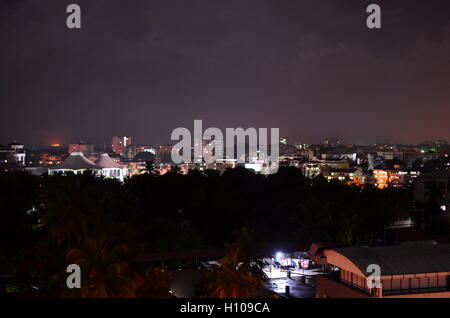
(328, 288)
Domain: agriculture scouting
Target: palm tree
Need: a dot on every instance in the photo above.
(155, 284)
(69, 225)
(104, 272)
(150, 167)
(232, 278)
(314, 220)
(347, 227)
(70, 211)
(246, 243)
(238, 274)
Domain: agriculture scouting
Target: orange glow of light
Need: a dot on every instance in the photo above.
(56, 145)
(356, 182)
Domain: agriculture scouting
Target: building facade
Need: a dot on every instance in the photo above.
(405, 272)
(119, 144)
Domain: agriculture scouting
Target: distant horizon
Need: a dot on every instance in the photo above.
(290, 142)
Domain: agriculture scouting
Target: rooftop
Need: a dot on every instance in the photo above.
(105, 161)
(400, 260)
(77, 161)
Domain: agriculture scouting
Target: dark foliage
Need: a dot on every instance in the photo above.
(43, 217)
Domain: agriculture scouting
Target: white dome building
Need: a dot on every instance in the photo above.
(109, 168)
(76, 163)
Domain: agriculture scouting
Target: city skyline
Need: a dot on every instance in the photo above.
(109, 144)
(224, 155)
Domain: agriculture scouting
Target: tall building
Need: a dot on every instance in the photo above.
(200, 149)
(217, 147)
(119, 143)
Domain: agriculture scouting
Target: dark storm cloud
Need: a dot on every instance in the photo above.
(143, 68)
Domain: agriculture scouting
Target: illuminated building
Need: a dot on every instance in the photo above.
(132, 150)
(290, 161)
(36, 170)
(371, 161)
(165, 149)
(199, 144)
(164, 153)
(343, 174)
(311, 170)
(331, 142)
(119, 143)
(408, 156)
(386, 155)
(428, 155)
(315, 167)
(301, 146)
(13, 154)
(138, 164)
(305, 153)
(400, 219)
(339, 155)
(46, 158)
(335, 164)
(404, 271)
(109, 168)
(202, 143)
(389, 177)
(76, 163)
(83, 147)
(18, 152)
(222, 165)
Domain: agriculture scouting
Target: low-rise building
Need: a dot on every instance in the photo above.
(86, 148)
(404, 272)
(109, 168)
(396, 178)
(315, 167)
(400, 218)
(343, 174)
(13, 154)
(76, 163)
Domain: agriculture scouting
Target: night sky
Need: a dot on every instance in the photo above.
(142, 68)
